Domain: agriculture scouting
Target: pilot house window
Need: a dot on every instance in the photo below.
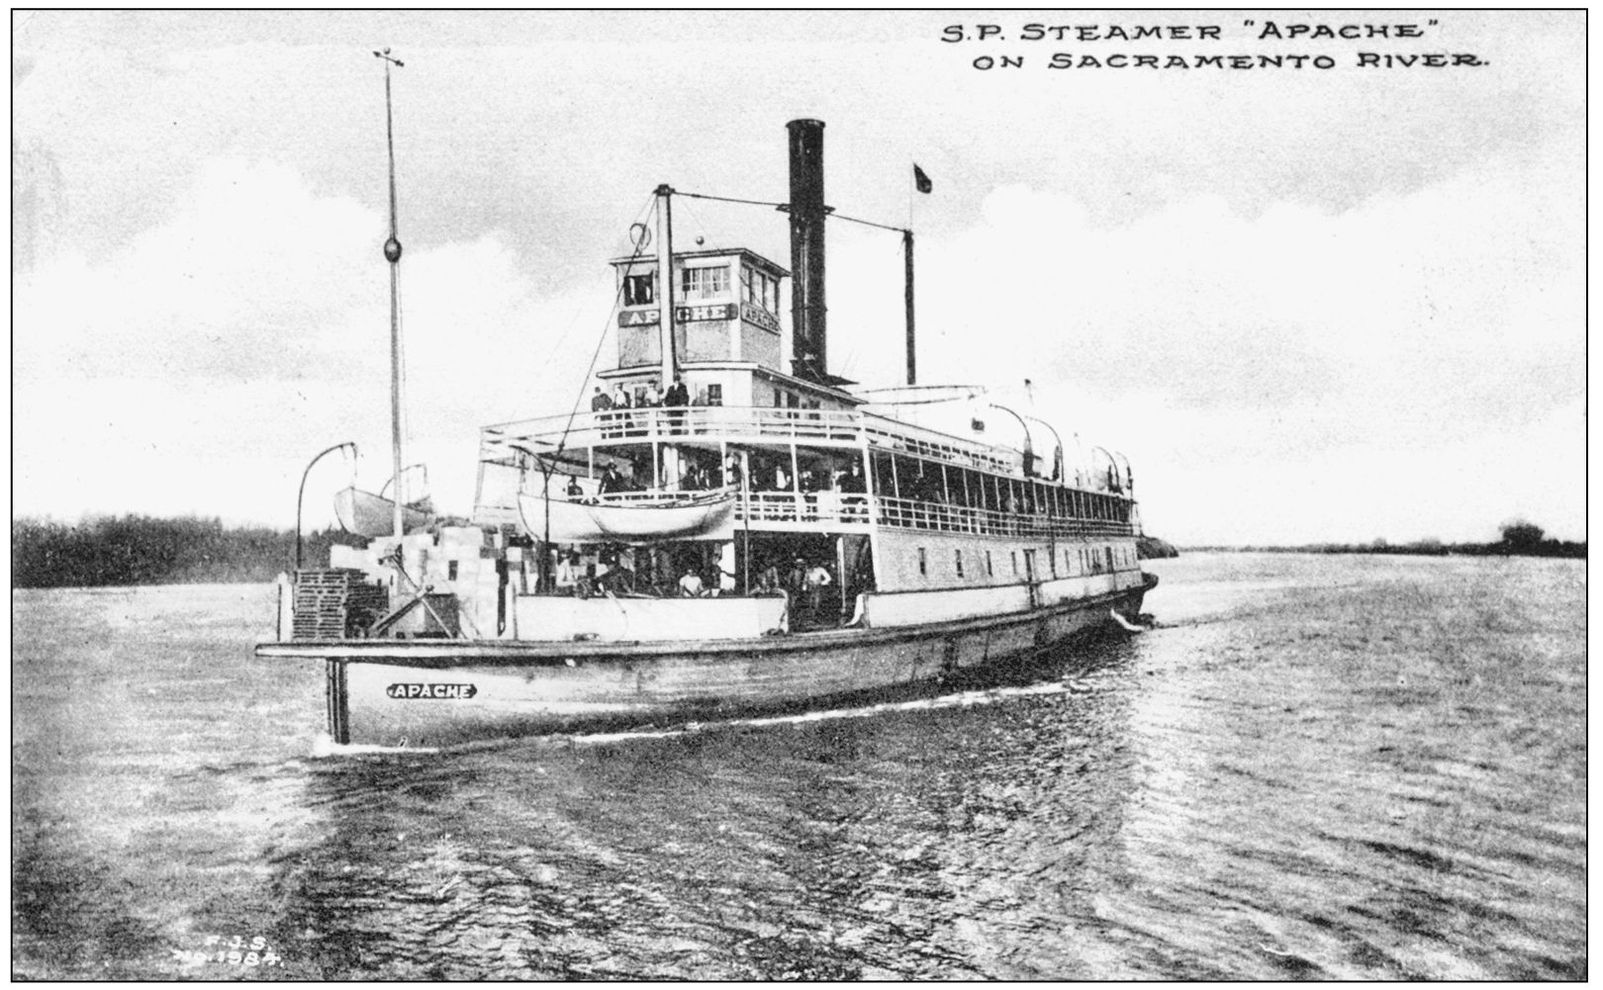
(637, 289)
(759, 289)
(705, 283)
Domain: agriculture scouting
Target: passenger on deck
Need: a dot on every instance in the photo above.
(568, 574)
(852, 481)
(691, 586)
(768, 580)
(574, 491)
(797, 579)
(610, 481)
(853, 488)
(817, 580)
(676, 398)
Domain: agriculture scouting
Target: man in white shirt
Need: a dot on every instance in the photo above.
(817, 580)
(690, 585)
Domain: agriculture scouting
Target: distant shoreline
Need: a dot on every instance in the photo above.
(136, 550)
(1550, 548)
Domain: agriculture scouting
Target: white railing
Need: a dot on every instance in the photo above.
(940, 517)
(834, 508)
(751, 424)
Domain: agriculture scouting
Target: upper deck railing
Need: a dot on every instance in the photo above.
(752, 425)
(845, 512)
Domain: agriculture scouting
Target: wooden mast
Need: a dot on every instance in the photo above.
(392, 254)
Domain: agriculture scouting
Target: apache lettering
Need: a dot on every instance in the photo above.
(437, 692)
(1328, 31)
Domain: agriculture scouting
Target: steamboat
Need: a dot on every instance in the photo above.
(717, 533)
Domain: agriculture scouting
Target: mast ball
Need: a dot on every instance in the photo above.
(392, 250)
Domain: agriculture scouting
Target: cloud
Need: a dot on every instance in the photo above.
(199, 365)
(255, 276)
(1272, 370)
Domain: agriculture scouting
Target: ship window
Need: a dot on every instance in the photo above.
(760, 289)
(923, 566)
(1015, 556)
(705, 283)
(715, 395)
(637, 289)
(1052, 561)
(988, 571)
(450, 570)
(958, 557)
(1110, 558)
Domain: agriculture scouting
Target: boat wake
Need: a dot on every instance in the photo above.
(960, 699)
(324, 746)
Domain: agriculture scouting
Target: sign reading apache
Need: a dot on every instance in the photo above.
(681, 314)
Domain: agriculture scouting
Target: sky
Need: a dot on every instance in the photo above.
(1316, 304)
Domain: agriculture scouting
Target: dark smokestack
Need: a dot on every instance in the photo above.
(807, 213)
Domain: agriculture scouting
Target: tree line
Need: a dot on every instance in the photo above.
(1519, 539)
(137, 549)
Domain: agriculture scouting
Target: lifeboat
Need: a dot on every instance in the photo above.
(631, 517)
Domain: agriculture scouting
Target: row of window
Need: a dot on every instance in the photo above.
(1076, 561)
(704, 283)
(899, 476)
(757, 288)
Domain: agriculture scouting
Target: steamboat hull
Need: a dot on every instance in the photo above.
(432, 693)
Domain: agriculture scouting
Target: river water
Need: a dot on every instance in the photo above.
(1313, 767)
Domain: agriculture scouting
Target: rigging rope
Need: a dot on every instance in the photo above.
(784, 206)
(729, 199)
(868, 223)
(616, 299)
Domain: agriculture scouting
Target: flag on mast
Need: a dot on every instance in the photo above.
(921, 180)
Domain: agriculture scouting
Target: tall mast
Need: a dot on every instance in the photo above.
(392, 254)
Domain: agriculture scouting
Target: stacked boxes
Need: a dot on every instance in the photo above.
(335, 603)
